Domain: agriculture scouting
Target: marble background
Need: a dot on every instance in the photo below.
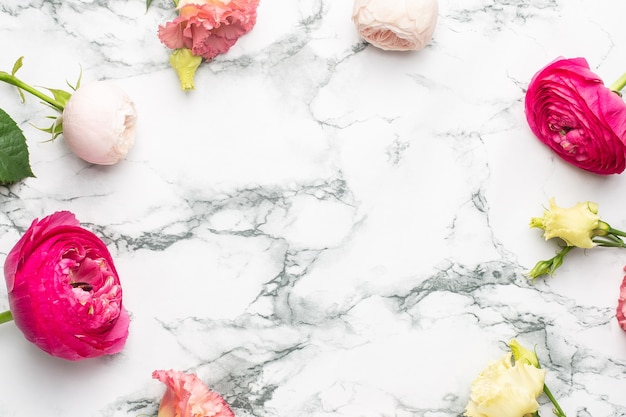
(321, 228)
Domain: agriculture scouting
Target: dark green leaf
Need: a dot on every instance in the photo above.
(14, 159)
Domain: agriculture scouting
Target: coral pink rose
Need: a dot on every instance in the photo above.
(569, 109)
(187, 396)
(64, 292)
(621, 305)
(209, 27)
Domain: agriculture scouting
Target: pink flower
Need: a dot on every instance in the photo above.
(99, 123)
(187, 396)
(209, 27)
(64, 292)
(404, 25)
(621, 305)
(569, 109)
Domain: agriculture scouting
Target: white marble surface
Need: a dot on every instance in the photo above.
(321, 228)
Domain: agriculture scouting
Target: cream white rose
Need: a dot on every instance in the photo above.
(99, 123)
(396, 25)
(506, 390)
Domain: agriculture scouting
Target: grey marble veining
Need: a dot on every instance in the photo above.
(321, 228)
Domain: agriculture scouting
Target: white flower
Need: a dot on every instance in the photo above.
(506, 390)
(396, 25)
(99, 123)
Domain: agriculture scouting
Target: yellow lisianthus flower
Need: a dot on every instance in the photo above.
(576, 225)
(506, 390)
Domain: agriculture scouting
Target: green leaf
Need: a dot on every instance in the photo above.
(55, 129)
(14, 159)
(16, 67)
(80, 76)
(60, 96)
(148, 3)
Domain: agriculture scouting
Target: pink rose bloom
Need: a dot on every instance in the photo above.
(621, 305)
(99, 123)
(396, 25)
(187, 396)
(64, 292)
(569, 109)
(209, 27)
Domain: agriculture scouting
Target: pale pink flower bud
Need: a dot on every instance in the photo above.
(396, 25)
(99, 123)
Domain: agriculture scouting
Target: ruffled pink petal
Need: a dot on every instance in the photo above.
(171, 34)
(187, 396)
(209, 27)
(621, 305)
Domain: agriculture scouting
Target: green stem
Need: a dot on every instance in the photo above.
(618, 85)
(6, 316)
(616, 232)
(557, 408)
(11, 79)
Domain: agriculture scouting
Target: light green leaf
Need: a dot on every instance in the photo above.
(60, 96)
(148, 3)
(14, 158)
(55, 129)
(16, 67)
(80, 76)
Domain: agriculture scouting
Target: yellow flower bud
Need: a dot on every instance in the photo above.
(521, 354)
(185, 64)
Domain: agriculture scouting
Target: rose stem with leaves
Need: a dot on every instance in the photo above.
(13, 80)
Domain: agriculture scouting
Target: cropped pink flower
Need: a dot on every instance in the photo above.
(570, 110)
(399, 25)
(187, 396)
(64, 292)
(621, 305)
(209, 27)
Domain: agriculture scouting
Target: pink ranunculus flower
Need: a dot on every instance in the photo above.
(570, 110)
(621, 305)
(64, 292)
(187, 396)
(209, 27)
(99, 123)
(398, 25)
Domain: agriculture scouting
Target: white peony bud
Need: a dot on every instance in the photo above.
(396, 25)
(99, 123)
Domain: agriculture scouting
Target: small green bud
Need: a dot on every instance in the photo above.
(521, 354)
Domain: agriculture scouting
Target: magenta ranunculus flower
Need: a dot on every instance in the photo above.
(187, 396)
(64, 292)
(209, 27)
(569, 109)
